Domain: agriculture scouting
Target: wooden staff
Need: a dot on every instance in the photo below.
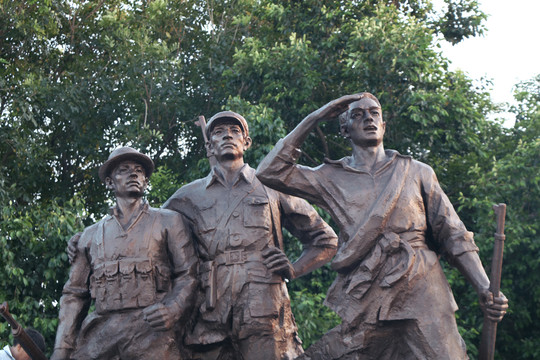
(489, 331)
(18, 333)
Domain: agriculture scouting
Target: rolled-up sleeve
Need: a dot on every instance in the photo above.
(278, 167)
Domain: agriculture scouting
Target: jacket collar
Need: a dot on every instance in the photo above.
(345, 162)
(246, 174)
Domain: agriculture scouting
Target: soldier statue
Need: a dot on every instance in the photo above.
(138, 265)
(244, 311)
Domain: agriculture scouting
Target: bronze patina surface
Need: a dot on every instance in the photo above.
(138, 266)
(394, 221)
(244, 309)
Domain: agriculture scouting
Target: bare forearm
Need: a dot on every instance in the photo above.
(494, 306)
(470, 266)
(312, 259)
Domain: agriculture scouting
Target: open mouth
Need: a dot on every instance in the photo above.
(370, 128)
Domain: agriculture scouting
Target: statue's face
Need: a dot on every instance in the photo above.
(128, 179)
(365, 126)
(228, 142)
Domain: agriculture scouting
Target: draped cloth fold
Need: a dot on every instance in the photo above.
(354, 250)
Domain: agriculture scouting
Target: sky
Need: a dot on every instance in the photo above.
(507, 53)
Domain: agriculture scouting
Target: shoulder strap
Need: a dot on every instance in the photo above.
(274, 213)
(144, 243)
(366, 234)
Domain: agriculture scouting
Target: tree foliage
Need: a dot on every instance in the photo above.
(80, 78)
(508, 172)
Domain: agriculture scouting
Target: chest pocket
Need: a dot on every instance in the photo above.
(207, 218)
(257, 212)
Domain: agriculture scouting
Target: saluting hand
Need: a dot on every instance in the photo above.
(334, 108)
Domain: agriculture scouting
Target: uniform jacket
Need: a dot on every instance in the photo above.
(232, 227)
(152, 261)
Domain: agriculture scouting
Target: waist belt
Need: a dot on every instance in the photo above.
(234, 257)
(209, 270)
(398, 249)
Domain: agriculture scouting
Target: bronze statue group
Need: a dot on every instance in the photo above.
(204, 277)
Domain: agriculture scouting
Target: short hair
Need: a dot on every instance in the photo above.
(36, 337)
(344, 117)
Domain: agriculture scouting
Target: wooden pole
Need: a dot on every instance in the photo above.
(489, 331)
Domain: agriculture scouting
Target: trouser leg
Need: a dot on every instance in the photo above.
(219, 351)
(267, 347)
(140, 340)
(98, 338)
(437, 336)
(337, 343)
(431, 338)
(264, 327)
(124, 336)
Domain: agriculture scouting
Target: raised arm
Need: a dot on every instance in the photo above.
(329, 111)
(278, 170)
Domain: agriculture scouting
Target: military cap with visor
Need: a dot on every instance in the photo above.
(227, 116)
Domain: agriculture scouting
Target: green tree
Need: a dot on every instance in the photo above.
(509, 174)
(34, 261)
(80, 78)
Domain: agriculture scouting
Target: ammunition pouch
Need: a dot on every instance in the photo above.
(127, 284)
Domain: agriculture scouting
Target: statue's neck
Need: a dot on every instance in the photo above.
(367, 157)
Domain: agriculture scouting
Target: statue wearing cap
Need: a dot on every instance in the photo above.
(244, 309)
(137, 265)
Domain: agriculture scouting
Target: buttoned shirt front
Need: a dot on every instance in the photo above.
(250, 225)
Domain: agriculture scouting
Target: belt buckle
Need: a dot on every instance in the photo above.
(235, 257)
